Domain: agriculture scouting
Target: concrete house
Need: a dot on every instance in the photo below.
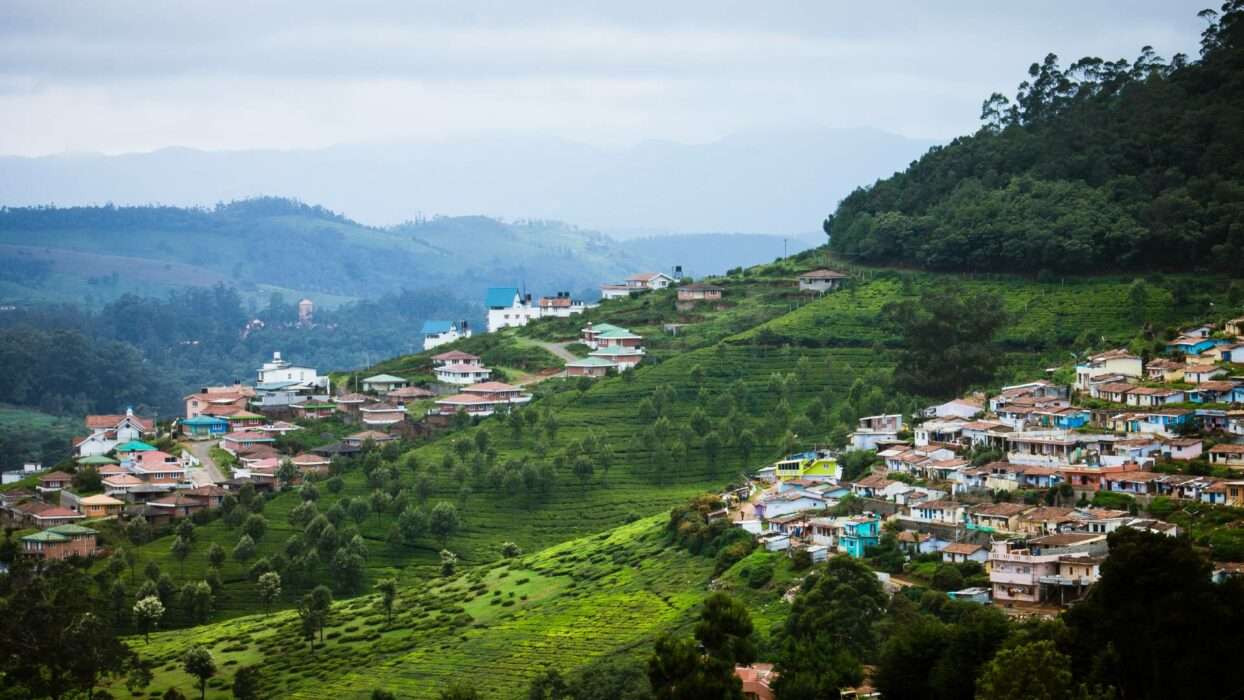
(1119, 362)
(436, 333)
(383, 383)
(822, 280)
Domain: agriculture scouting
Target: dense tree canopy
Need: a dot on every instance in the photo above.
(1099, 165)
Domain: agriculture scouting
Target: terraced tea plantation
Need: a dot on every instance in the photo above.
(825, 346)
(496, 625)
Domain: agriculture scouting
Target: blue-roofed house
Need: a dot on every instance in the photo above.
(436, 333)
(204, 426)
(507, 308)
(1194, 345)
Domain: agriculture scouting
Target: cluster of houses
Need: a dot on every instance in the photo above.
(1120, 428)
(508, 308)
(479, 396)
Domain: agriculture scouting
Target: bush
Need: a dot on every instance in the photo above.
(947, 578)
(758, 574)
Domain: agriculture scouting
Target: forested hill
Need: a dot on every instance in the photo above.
(1103, 165)
(270, 244)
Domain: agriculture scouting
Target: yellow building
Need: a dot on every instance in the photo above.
(101, 506)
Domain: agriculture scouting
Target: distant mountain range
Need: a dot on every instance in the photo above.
(773, 181)
(269, 245)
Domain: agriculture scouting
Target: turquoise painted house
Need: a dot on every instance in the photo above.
(859, 533)
(204, 426)
(1193, 345)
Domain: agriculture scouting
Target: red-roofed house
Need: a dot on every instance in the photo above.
(51, 517)
(109, 430)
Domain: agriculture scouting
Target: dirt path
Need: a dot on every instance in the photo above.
(558, 349)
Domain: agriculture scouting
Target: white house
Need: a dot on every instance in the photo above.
(649, 280)
(108, 431)
(462, 373)
(821, 281)
(874, 429)
(282, 371)
(436, 333)
(967, 407)
(507, 308)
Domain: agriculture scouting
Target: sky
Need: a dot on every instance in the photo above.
(119, 76)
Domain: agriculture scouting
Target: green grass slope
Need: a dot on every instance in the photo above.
(496, 625)
(827, 346)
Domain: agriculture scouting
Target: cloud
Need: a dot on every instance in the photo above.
(115, 76)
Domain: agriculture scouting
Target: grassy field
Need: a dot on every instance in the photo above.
(27, 435)
(496, 625)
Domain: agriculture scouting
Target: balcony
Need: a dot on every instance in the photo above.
(1007, 577)
(1067, 580)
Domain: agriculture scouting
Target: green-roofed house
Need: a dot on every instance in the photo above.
(590, 332)
(383, 383)
(590, 367)
(97, 460)
(134, 446)
(623, 356)
(203, 426)
(60, 542)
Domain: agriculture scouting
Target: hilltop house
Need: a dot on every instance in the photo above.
(645, 281)
(560, 306)
(437, 333)
(821, 281)
(383, 383)
(691, 294)
(508, 308)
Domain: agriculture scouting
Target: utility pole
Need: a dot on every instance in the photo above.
(783, 249)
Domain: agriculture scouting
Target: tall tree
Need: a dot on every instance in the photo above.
(947, 339)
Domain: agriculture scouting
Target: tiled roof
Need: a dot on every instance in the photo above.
(436, 327)
(453, 355)
(824, 274)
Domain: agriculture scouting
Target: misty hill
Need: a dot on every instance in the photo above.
(791, 179)
(1098, 166)
(270, 245)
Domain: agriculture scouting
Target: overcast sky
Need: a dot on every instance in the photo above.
(117, 76)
